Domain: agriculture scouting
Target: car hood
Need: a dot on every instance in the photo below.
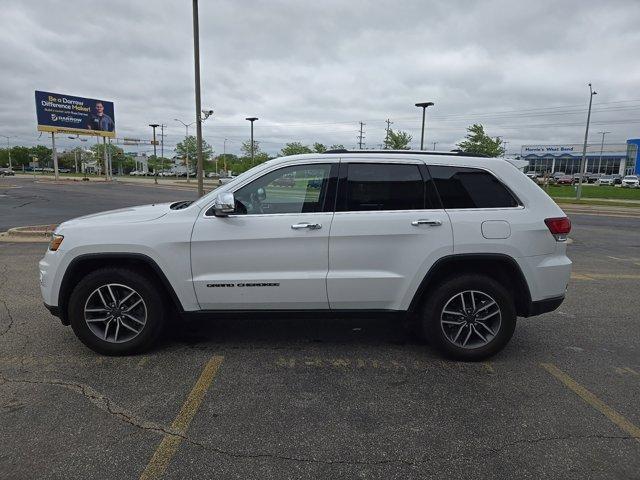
(142, 213)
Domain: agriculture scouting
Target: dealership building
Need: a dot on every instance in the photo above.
(613, 158)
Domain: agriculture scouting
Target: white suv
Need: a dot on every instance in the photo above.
(461, 244)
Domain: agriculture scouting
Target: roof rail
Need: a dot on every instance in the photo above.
(458, 153)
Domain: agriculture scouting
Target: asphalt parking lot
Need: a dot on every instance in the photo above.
(276, 398)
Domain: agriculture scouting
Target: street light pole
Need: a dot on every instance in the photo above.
(583, 162)
(186, 142)
(252, 119)
(601, 149)
(424, 106)
(196, 61)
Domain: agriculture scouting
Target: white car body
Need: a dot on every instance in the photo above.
(357, 260)
(334, 261)
(606, 180)
(630, 181)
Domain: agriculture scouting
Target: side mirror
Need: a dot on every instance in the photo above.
(224, 204)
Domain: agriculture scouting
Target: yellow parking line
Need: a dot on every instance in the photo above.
(604, 276)
(620, 421)
(170, 442)
(579, 276)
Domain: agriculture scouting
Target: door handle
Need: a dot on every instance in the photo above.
(310, 226)
(433, 223)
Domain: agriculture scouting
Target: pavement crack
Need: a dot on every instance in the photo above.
(101, 401)
(8, 327)
(3, 281)
(290, 458)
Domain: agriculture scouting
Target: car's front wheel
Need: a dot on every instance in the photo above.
(116, 311)
(470, 317)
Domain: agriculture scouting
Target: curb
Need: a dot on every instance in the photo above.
(29, 233)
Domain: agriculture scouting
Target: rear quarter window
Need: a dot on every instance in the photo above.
(462, 187)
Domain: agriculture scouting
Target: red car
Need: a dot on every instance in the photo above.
(565, 180)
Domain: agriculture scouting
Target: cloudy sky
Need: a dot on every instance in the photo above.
(312, 70)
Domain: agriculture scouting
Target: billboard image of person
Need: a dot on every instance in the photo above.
(60, 113)
(98, 120)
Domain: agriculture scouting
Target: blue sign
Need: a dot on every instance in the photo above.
(69, 114)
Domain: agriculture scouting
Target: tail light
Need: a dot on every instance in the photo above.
(559, 227)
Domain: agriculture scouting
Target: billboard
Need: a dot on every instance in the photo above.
(78, 115)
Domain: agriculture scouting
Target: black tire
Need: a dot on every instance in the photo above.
(435, 304)
(144, 286)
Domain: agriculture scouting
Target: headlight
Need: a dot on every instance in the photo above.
(56, 241)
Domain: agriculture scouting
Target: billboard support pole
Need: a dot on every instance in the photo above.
(54, 155)
(105, 161)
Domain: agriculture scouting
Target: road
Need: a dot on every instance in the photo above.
(275, 398)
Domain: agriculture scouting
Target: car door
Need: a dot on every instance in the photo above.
(388, 230)
(272, 252)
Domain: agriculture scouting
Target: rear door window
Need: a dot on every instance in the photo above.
(381, 186)
(461, 187)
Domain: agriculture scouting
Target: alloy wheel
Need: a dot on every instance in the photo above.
(115, 313)
(471, 319)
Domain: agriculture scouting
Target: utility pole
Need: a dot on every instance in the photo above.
(154, 126)
(224, 156)
(505, 143)
(434, 146)
(196, 62)
(252, 119)
(386, 138)
(424, 106)
(361, 136)
(162, 144)
(601, 149)
(583, 162)
(8, 149)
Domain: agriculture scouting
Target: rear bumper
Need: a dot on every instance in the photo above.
(544, 306)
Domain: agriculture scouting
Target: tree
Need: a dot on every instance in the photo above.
(479, 142)
(246, 148)
(294, 148)
(319, 148)
(397, 140)
(190, 145)
(117, 154)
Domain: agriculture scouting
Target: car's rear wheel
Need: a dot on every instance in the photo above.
(470, 317)
(116, 311)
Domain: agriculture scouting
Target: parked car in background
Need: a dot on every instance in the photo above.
(605, 180)
(64, 170)
(557, 175)
(213, 175)
(630, 181)
(565, 180)
(532, 175)
(285, 181)
(617, 179)
(6, 172)
(593, 178)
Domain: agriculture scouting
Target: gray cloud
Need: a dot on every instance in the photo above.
(312, 70)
